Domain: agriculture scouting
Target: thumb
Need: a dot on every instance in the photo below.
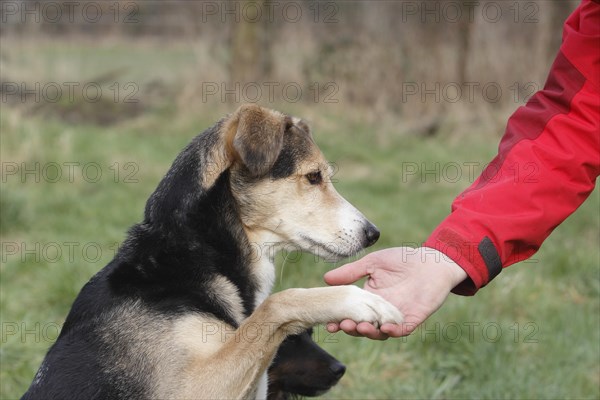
(347, 274)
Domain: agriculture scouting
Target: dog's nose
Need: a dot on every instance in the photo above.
(371, 233)
(338, 370)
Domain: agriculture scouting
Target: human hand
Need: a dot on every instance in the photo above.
(417, 281)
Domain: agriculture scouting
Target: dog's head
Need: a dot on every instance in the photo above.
(302, 368)
(282, 185)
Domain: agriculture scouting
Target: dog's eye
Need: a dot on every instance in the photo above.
(314, 178)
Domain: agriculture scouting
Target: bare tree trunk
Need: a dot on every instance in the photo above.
(463, 49)
(250, 44)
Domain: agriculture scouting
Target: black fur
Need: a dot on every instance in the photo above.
(295, 148)
(166, 264)
(302, 368)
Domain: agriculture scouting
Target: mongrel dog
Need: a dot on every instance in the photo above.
(302, 368)
(183, 310)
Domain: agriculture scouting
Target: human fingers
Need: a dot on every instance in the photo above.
(347, 274)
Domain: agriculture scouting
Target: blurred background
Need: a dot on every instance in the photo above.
(407, 99)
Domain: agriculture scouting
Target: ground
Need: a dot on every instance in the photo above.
(534, 332)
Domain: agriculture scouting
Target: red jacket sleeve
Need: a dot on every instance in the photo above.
(547, 164)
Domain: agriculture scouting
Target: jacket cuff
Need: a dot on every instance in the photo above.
(479, 258)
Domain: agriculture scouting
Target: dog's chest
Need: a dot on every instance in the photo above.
(262, 387)
(263, 271)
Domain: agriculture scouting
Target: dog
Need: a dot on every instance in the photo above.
(302, 368)
(184, 309)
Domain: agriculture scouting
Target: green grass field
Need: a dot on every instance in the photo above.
(532, 333)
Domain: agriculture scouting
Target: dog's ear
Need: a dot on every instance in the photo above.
(258, 137)
(301, 124)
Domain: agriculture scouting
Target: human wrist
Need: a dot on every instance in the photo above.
(453, 273)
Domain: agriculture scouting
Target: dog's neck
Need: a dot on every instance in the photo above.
(264, 274)
(264, 246)
(205, 223)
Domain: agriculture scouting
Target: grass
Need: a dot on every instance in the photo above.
(532, 333)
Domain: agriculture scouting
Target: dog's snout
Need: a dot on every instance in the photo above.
(371, 234)
(337, 369)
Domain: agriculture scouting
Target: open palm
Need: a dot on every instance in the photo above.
(416, 281)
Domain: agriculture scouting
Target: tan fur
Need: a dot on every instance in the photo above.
(217, 160)
(228, 296)
(225, 363)
(259, 137)
(289, 210)
(252, 135)
(196, 356)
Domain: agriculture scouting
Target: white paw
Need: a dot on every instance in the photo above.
(363, 306)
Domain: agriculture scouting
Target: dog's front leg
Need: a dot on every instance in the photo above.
(246, 354)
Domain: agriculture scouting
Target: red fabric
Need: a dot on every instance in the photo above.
(547, 162)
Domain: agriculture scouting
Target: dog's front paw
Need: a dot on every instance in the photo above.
(363, 306)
